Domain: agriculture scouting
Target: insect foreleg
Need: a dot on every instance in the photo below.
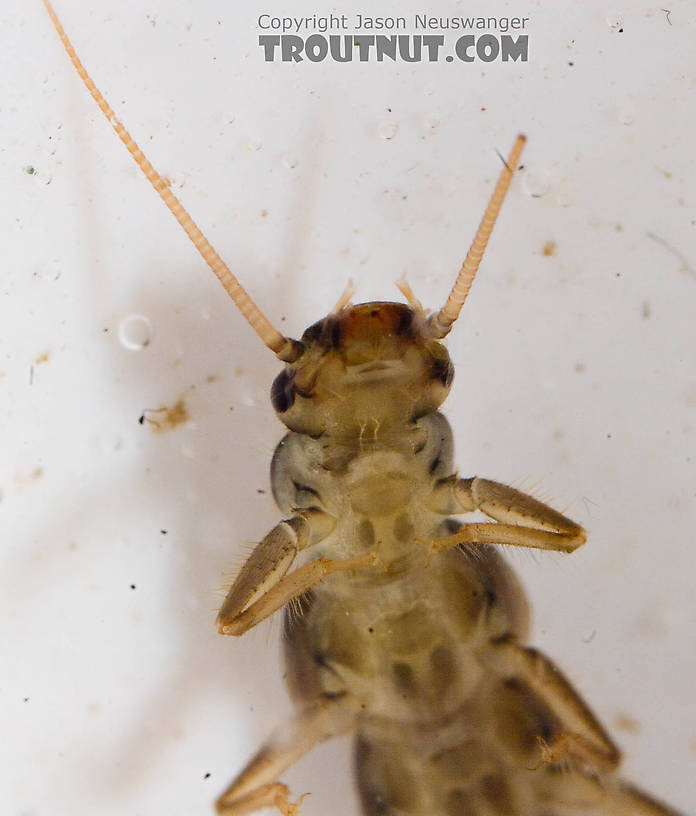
(257, 786)
(262, 587)
(525, 521)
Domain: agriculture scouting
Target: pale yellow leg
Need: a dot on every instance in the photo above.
(269, 562)
(524, 521)
(257, 786)
(589, 794)
(583, 739)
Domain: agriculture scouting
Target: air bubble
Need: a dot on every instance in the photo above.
(536, 183)
(615, 21)
(289, 162)
(387, 130)
(626, 115)
(135, 332)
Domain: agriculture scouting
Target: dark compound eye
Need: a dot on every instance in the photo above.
(283, 392)
(443, 370)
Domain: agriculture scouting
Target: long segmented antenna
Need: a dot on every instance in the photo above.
(439, 324)
(285, 348)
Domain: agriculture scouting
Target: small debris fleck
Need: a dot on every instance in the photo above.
(646, 310)
(164, 532)
(206, 776)
(29, 170)
(571, 64)
(43, 358)
(549, 248)
(624, 722)
(261, 491)
(165, 419)
(132, 586)
(25, 699)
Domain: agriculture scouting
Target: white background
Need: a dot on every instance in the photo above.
(575, 371)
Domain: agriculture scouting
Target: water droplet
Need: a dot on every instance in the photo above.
(135, 332)
(387, 130)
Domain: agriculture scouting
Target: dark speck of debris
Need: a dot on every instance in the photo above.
(608, 436)
(206, 776)
(571, 64)
(164, 532)
(618, 274)
(141, 419)
(132, 586)
(25, 699)
(29, 170)
(389, 109)
(259, 490)
(621, 31)
(591, 637)
(549, 249)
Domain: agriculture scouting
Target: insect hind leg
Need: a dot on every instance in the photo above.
(257, 786)
(583, 793)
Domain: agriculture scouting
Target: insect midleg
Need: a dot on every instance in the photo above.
(508, 658)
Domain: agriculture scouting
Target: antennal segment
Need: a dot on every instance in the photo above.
(439, 324)
(285, 348)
